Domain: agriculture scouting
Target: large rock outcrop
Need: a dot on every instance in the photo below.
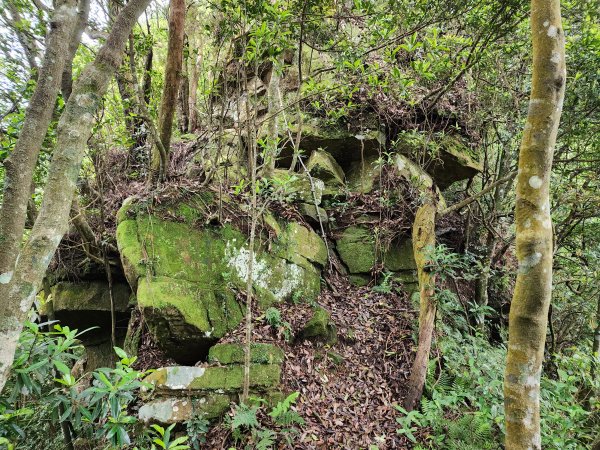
(186, 274)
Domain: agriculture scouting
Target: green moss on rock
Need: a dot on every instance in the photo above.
(231, 377)
(319, 328)
(356, 247)
(89, 296)
(323, 166)
(298, 187)
(234, 353)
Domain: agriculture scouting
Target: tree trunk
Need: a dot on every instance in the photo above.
(531, 299)
(20, 165)
(18, 292)
(159, 162)
(423, 236)
(194, 73)
(80, 24)
(183, 100)
(596, 344)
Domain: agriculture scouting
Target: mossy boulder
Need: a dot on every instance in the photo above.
(343, 145)
(313, 214)
(452, 158)
(323, 166)
(234, 354)
(319, 328)
(400, 256)
(186, 318)
(364, 176)
(186, 273)
(87, 304)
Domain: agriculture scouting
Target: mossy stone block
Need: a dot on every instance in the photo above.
(231, 377)
(234, 354)
(356, 247)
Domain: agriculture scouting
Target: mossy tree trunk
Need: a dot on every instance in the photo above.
(423, 236)
(18, 291)
(168, 102)
(531, 299)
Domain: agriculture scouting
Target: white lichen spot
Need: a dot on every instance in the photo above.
(239, 260)
(546, 23)
(181, 377)
(527, 223)
(6, 277)
(552, 32)
(87, 117)
(535, 182)
(555, 57)
(525, 264)
(400, 163)
(292, 280)
(84, 100)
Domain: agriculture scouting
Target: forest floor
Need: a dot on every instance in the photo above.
(349, 390)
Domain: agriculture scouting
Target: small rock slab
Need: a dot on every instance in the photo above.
(179, 409)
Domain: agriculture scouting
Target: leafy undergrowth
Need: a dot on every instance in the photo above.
(348, 391)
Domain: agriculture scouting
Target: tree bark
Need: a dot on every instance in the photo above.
(423, 236)
(20, 165)
(74, 128)
(159, 162)
(531, 299)
(81, 23)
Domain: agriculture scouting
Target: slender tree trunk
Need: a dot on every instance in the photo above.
(275, 105)
(194, 72)
(18, 291)
(20, 165)
(596, 344)
(531, 299)
(183, 97)
(159, 160)
(423, 236)
(81, 23)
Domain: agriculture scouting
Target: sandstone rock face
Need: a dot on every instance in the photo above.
(186, 275)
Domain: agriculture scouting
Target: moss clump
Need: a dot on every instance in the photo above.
(234, 353)
(356, 247)
(231, 377)
(400, 256)
(319, 328)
